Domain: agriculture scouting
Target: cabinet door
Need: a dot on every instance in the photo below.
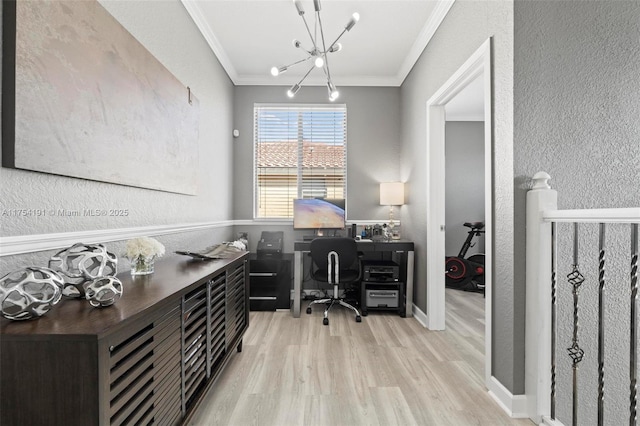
(144, 372)
(217, 343)
(236, 309)
(194, 344)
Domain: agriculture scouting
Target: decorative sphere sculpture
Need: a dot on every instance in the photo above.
(29, 292)
(103, 291)
(82, 263)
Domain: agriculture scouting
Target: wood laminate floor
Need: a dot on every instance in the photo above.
(385, 370)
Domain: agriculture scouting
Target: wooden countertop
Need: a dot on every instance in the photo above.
(174, 276)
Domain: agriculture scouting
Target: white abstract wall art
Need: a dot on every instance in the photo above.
(83, 98)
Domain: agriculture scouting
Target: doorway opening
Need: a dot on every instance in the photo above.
(478, 66)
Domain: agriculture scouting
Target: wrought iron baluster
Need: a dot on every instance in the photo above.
(576, 353)
(554, 283)
(633, 398)
(601, 282)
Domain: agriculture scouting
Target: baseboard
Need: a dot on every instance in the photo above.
(514, 405)
(549, 422)
(41, 242)
(420, 316)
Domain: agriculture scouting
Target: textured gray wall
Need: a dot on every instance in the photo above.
(467, 25)
(577, 109)
(464, 183)
(373, 145)
(168, 32)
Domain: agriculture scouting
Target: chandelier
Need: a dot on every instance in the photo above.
(317, 54)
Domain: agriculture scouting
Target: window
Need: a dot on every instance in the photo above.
(300, 152)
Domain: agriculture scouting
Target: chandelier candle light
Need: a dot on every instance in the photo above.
(318, 51)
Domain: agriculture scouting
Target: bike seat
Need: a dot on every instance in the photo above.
(474, 225)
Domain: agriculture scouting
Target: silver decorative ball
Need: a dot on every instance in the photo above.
(82, 263)
(29, 292)
(103, 291)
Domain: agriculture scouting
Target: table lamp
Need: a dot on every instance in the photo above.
(391, 194)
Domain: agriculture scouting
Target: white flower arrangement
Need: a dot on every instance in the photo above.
(239, 244)
(143, 247)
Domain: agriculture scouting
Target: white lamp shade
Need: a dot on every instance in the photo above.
(391, 193)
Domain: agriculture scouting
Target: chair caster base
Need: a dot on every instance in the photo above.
(358, 319)
(325, 321)
(309, 310)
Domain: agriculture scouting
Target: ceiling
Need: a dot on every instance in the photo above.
(251, 36)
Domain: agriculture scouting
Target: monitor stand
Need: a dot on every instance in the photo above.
(318, 233)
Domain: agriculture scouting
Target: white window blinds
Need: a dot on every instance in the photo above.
(300, 152)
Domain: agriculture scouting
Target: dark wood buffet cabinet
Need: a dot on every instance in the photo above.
(148, 359)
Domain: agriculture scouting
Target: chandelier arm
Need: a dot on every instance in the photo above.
(306, 75)
(315, 26)
(298, 62)
(336, 40)
(321, 32)
(309, 32)
(321, 57)
(299, 46)
(330, 84)
(324, 49)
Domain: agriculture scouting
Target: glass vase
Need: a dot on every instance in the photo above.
(142, 265)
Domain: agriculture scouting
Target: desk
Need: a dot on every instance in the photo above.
(396, 247)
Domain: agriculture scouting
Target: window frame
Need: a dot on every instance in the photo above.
(256, 106)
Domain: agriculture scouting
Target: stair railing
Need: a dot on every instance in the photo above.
(541, 304)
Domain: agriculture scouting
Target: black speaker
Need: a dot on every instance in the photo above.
(354, 230)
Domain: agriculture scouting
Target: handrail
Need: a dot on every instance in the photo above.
(621, 215)
(541, 294)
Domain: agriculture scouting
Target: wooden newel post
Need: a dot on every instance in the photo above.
(538, 342)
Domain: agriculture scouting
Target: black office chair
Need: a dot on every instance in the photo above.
(335, 261)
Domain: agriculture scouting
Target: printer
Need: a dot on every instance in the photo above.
(270, 244)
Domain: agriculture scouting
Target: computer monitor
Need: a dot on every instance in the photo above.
(318, 213)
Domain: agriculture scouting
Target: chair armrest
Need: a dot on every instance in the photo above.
(360, 256)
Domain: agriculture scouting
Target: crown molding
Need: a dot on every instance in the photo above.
(440, 12)
(436, 18)
(363, 81)
(198, 18)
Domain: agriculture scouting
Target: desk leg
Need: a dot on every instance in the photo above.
(297, 282)
(409, 289)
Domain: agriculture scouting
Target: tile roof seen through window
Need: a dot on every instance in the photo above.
(315, 154)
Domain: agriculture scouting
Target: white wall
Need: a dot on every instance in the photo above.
(467, 25)
(168, 32)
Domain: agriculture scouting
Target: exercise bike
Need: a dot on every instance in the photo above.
(466, 274)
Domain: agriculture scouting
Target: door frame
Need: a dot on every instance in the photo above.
(479, 63)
